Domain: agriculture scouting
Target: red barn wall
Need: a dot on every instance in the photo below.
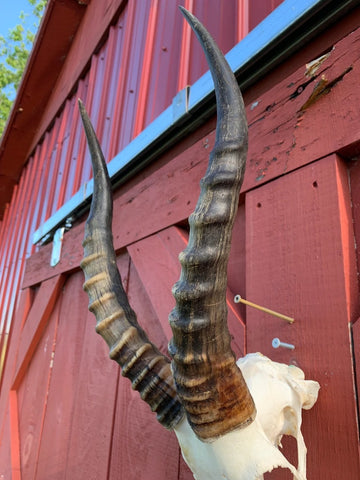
(65, 411)
(143, 57)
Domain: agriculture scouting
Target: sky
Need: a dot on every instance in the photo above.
(9, 14)
(10, 17)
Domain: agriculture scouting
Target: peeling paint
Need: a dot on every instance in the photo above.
(324, 86)
(313, 66)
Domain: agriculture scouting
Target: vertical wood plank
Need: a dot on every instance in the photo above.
(5, 449)
(146, 313)
(237, 263)
(141, 449)
(92, 421)
(14, 433)
(24, 304)
(301, 262)
(32, 393)
(64, 380)
(158, 267)
(36, 323)
(236, 274)
(354, 174)
(356, 353)
(92, 416)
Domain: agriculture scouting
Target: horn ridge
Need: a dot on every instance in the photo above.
(146, 367)
(208, 381)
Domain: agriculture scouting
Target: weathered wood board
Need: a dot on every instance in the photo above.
(301, 262)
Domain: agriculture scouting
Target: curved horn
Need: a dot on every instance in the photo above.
(141, 362)
(209, 384)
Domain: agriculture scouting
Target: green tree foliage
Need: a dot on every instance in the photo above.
(14, 52)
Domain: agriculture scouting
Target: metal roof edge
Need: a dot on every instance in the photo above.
(278, 36)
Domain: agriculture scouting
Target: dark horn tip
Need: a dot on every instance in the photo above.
(190, 18)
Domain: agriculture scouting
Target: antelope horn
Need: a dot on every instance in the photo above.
(208, 381)
(141, 362)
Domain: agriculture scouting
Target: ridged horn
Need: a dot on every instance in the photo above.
(141, 362)
(208, 381)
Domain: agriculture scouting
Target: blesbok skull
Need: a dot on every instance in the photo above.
(229, 418)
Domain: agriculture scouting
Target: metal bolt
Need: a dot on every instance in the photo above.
(276, 344)
(69, 223)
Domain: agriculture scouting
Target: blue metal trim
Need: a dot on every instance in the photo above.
(275, 38)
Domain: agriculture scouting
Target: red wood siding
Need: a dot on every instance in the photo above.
(310, 275)
(132, 77)
(65, 411)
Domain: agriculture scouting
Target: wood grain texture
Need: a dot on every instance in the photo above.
(356, 354)
(306, 116)
(5, 447)
(65, 379)
(354, 178)
(32, 394)
(237, 262)
(24, 305)
(15, 440)
(90, 438)
(36, 323)
(301, 261)
(91, 429)
(156, 261)
(141, 448)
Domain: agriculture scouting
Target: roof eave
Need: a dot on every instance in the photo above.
(53, 42)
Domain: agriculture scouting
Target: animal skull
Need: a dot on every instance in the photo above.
(279, 392)
(229, 418)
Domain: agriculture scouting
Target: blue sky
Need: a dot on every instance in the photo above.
(10, 11)
(10, 17)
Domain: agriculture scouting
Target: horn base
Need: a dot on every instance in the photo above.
(214, 410)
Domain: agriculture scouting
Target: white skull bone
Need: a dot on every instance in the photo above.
(279, 392)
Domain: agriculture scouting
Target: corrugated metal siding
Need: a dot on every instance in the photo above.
(148, 57)
(260, 9)
(16, 242)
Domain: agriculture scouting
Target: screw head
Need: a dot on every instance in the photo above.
(276, 343)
